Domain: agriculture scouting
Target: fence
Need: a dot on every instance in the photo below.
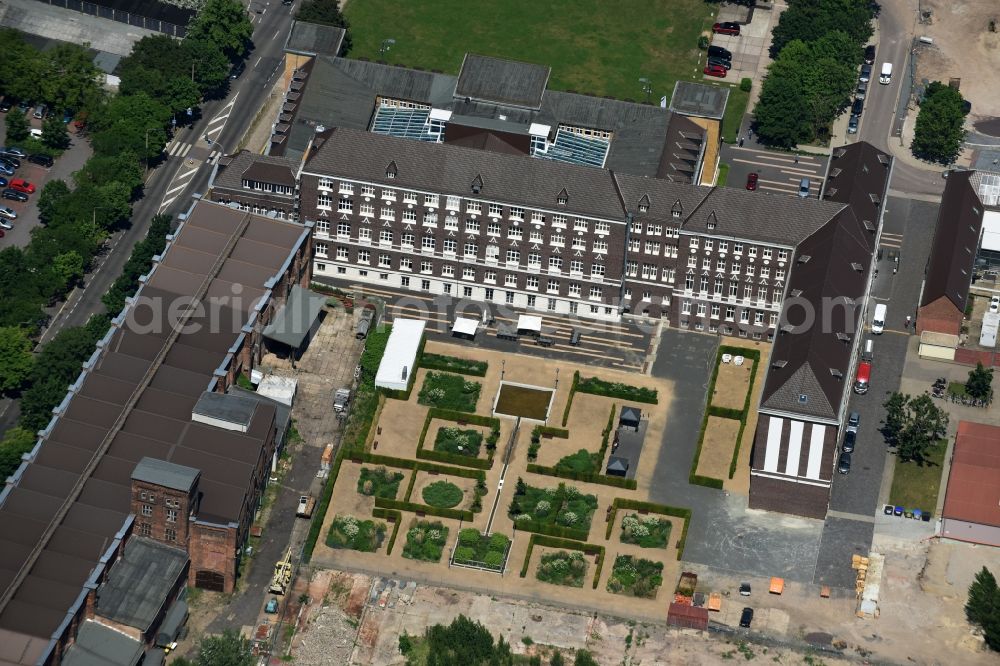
(128, 17)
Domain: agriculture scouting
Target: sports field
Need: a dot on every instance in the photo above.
(597, 48)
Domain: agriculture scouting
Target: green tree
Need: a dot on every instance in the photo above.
(811, 19)
(465, 643)
(69, 77)
(557, 659)
(135, 123)
(56, 366)
(16, 442)
(913, 425)
(224, 23)
(895, 417)
(211, 66)
(15, 358)
(983, 607)
(940, 128)
(21, 67)
(54, 134)
(584, 658)
(229, 649)
(51, 199)
(17, 126)
(980, 382)
(326, 12)
(124, 167)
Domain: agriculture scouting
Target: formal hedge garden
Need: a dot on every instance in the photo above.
(635, 577)
(598, 386)
(561, 507)
(563, 567)
(379, 482)
(645, 531)
(353, 534)
(442, 494)
(458, 441)
(449, 391)
(425, 541)
(454, 364)
(478, 550)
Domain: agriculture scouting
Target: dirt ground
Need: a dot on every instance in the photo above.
(717, 447)
(731, 385)
(963, 48)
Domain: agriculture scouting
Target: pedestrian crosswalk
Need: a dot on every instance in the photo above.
(891, 240)
(179, 149)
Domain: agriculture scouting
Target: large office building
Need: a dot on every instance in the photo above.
(150, 473)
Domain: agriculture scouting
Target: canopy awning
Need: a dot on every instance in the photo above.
(465, 326)
(172, 623)
(529, 323)
(292, 323)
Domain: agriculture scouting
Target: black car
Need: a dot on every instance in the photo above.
(746, 617)
(844, 464)
(10, 161)
(849, 440)
(5, 105)
(719, 52)
(857, 107)
(870, 54)
(721, 62)
(14, 195)
(41, 160)
(237, 69)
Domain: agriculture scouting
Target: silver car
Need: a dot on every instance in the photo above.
(8, 213)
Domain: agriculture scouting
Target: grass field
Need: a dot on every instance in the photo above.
(916, 487)
(596, 48)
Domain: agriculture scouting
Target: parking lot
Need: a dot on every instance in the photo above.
(27, 212)
(776, 171)
(749, 48)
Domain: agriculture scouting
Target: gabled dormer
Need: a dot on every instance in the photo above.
(644, 204)
(391, 171)
(477, 184)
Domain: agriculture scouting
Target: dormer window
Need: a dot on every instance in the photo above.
(644, 203)
(390, 171)
(259, 186)
(563, 198)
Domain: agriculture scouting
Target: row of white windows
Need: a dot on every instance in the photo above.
(408, 239)
(324, 199)
(267, 187)
(702, 309)
(651, 229)
(735, 268)
(147, 510)
(260, 210)
(723, 246)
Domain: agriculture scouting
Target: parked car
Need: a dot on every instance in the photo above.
(21, 185)
(726, 28)
(6, 169)
(272, 606)
(853, 421)
(744, 589)
(746, 617)
(852, 124)
(725, 64)
(995, 304)
(41, 111)
(752, 178)
(5, 105)
(885, 76)
(8, 213)
(14, 195)
(13, 150)
(850, 438)
(857, 107)
(3, 182)
(861, 91)
(715, 70)
(237, 69)
(11, 160)
(870, 54)
(844, 464)
(341, 399)
(68, 116)
(719, 52)
(24, 105)
(804, 188)
(866, 73)
(41, 160)
(4, 224)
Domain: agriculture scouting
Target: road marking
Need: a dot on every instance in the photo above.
(781, 168)
(218, 119)
(174, 189)
(276, 33)
(258, 62)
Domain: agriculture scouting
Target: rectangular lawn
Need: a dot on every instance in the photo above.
(596, 48)
(915, 486)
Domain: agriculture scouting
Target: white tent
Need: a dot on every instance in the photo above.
(465, 326)
(529, 324)
(988, 336)
(400, 355)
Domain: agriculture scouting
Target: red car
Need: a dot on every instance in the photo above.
(752, 180)
(726, 28)
(715, 70)
(21, 185)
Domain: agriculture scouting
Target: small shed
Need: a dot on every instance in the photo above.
(630, 418)
(988, 335)
(617, 466)
(689, 617)
(465, 328)
(295, 323)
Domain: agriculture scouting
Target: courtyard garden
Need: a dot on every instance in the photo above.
(478, 550)
(458, 441)
(645, 531)
(562, 567)
(425, 541)
(448, 391)
(442, 494)
(353, 534)
(379, 482)
(635, 577)
(916, 485)
(552, 510)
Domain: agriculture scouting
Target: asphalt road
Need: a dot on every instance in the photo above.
(778, 172)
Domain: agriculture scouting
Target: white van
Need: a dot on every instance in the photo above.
(886, 76)
(878, 320)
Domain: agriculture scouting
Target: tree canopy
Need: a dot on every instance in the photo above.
(983, 607)
(913, 425)
(810, 19)
(980, 382)
(224, 23)
(15, 358)
(326, 12)
(461, 643)
(940, 128)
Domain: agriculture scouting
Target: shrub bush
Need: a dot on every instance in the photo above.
(597, 386)
(449, 391)
(458, 441)
(349, 532)
(425, 541)
(746, 84)
(442, 494)
(379, 482)
(454, 364)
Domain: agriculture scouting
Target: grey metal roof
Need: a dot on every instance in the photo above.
(507, 82)
(451, 169)
(630, 415)
(234, 409)
(699, 99)
(136, 588)
(166, 474)
(618, 464)
(313, 39)
(282, 416)
(172, 622)
(292, 323)
(97, 645)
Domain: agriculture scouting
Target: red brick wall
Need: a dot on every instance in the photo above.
(798, 499)
(939, 316)
(213, 549)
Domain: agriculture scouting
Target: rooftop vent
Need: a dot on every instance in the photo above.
(883, 158)
(803, 398)
(856, 266)
(835, 172)
(836, 374)
(876, 199)
(320, 128)
(779, 363)
(869, 225)
(796, 293)
(839, 152)
(787, 328)
(843, 337)
(830, 191)
(804, 258)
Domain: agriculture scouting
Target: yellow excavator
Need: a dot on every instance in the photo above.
(282, 574)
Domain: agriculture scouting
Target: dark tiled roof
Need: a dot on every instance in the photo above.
(137, 585)
(502, 81)
(699, 99)
(314, 39)
(956, 240)
(97, 645)
(825, 270)
(260, 168)
(451, 169)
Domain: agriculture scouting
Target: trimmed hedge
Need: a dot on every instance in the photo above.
(650, 507)
(413, 507)
(602, 387)
(569, 400)
(455, 458)
(548, 431)
(453, 364)
(324, 503)
(603, 479)
(397, 519)
(574, 533)
(555, 542)
(724, 412)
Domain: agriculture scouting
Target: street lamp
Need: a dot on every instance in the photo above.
(385, 45)
(647, 87)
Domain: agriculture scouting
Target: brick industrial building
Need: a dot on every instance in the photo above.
(149, 475)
